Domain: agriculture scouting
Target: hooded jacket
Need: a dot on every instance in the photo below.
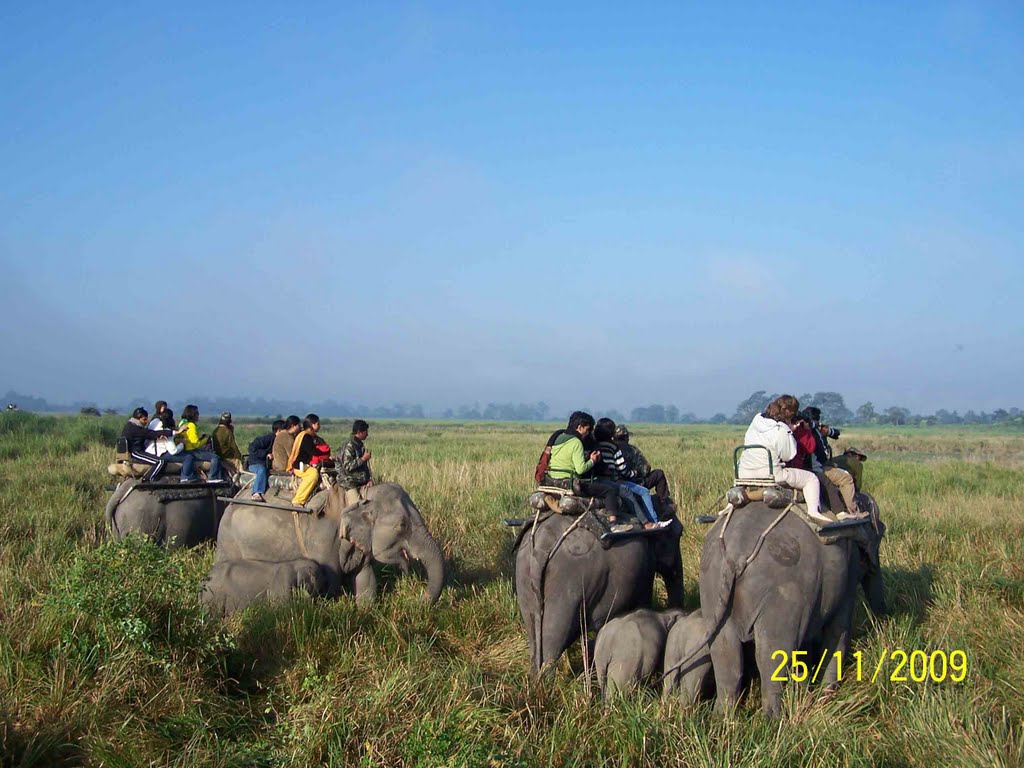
(773, 435)
(567, 458)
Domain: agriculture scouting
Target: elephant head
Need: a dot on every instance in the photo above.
(386, 528)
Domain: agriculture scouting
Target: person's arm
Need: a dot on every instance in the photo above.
(580, 464)
(785, 443)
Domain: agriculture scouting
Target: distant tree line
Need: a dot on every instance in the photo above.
(833, 408)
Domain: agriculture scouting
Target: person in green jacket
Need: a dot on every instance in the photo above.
(569, 461)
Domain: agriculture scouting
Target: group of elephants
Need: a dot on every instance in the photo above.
(766, 581)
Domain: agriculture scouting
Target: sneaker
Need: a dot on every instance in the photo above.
(820, 518)
(621, 528)
(852, 515)
(258, 497)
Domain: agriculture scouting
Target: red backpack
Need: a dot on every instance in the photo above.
(542, 465)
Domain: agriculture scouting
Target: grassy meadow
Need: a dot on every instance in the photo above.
(107, 659)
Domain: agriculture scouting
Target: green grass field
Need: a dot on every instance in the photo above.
(107, 659)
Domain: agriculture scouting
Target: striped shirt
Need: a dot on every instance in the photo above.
(613, 463)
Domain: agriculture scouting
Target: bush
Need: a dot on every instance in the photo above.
(133, 597)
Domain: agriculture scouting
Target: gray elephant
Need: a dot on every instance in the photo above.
(566, 579)
(236, 584)
(629, 649)
(695, 680)
(385, 528)
(173, 517)
(767, 579)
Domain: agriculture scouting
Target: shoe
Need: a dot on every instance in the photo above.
(852, 515)
(259, 497)
(621, 528)
(659, 526)
(820, 518)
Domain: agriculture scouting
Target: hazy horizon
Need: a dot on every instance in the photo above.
(582, 205)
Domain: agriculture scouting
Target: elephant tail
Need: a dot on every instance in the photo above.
(424, 547)
(714, 623)
(116, 498)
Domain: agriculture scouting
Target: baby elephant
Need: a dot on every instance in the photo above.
(630, 648)
(235, 584)
(695, 680)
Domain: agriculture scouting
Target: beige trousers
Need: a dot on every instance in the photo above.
(352, 495)
(843, 480)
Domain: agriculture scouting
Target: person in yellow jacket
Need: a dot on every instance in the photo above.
(195, 447)
(301, 457)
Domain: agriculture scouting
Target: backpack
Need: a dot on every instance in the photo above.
(542, 465)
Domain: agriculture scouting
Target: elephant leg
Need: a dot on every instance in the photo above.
(673, 578)
(836, 637)
(727, 661)
(768, 641)
(366, 584)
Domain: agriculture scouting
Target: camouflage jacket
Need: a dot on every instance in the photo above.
(355, 472)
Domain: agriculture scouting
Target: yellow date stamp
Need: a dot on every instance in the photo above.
(896, 666)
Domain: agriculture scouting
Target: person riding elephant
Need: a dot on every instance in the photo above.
(766, 578)
(347, 540)
(565, 578)
(569, 467)
(224, 443)
(355, 475)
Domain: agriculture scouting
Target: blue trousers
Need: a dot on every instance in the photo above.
(645, 497)
(260, 484)
(188, 463)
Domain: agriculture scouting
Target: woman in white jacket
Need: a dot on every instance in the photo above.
(771, 429)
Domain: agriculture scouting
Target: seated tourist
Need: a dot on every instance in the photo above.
(300, 462)
(261, 451)
(771, 430)
(612, 465)
(355, 464)
(847, 472)
(652, 479)
(137, 434)
(195, 447)
(283, 442)
(224, 444)
(162, 445)
(568, 463)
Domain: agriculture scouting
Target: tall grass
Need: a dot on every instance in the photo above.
(107, 659)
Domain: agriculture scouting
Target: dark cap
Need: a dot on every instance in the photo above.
(621, 431)
(863, 456)
(225, 418)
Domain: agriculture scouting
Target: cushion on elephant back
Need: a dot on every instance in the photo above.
(124, 469)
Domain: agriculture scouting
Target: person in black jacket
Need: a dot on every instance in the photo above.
(136, 433)
(261, 449)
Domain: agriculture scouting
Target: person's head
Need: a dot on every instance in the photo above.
(621, 434)
(783, 408)
(141, 415)
(311, 422)
(190, 413)
(292, 425)
(166, 417)
(580, 422)
(277, 426)
(360, 429)
(160, 407)
(855, 454)
(813, 413)
(225, 418)
(604, 430)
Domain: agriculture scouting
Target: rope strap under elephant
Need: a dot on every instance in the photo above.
(761, 538)
(298, 534)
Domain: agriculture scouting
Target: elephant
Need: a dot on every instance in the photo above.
(766, 578)
(172, 517)
(630, 648)
(565, 579)
(385, 527)
(236, 584)
(694, 681)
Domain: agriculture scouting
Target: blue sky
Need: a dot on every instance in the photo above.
(445, 203)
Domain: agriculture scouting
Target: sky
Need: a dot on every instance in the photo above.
(601, 203)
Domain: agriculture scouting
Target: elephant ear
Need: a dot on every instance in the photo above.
(355, 526)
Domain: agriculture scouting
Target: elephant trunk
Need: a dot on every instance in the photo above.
(424, 548)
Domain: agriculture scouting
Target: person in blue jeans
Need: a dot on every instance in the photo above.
(195, 446)
(613, 466)
(261, 450)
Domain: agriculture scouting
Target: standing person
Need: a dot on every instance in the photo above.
(224, 444)
(196, 446)
(160, 445)
(568, 463)
(771, 430)
(261, 450)
(283, 442)
(300, 461)
(652, 479)
(137, 434)
(355, 464)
